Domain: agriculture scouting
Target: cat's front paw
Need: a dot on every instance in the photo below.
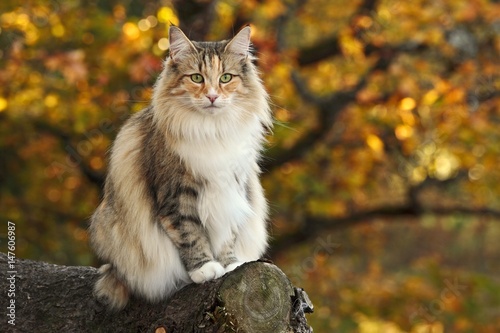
(209, 271)
(232, 266)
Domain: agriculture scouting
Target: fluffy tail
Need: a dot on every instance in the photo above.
(111, 289)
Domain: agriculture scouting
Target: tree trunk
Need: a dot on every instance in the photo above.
(256, 297)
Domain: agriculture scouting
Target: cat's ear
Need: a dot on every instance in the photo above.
(179, 43)
(240, 44)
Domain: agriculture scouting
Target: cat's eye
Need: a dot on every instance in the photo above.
(225, 78)
(197, 78)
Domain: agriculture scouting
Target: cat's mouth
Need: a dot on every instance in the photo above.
(212, 107)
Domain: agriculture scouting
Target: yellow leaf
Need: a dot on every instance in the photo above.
(418, 175)
(407, 104)
(131, 31)
(436, 327)
(58, 30)
(3, 104)
(96, 163)
(167, 15)
(351, 47)
(403, 132)
(273, 8)
(408, 118)
(375, 143)
(430, 97)
(163, 44)
(51, 100)
(456, 95)
(445, 165)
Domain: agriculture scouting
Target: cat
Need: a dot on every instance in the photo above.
(182, 199)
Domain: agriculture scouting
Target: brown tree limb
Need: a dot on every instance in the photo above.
(330, 46)
(316, 226)
(41, 297)
(330, 107)
(326, 116)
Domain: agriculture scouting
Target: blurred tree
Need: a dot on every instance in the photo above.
(382, 101)
(384, 109)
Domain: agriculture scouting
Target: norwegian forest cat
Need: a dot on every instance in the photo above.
(182, 201)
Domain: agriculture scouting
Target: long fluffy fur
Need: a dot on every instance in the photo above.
(204, 161)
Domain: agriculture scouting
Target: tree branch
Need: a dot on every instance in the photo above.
(329, 109)
(330, 47)
(315, 226)
(331, 106)
(256, 297)
(318, 225)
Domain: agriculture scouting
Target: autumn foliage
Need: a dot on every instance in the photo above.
(382, 171)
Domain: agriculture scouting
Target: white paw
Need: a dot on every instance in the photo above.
(232, 266)
(209, 271)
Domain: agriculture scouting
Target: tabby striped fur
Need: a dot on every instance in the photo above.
(182, 201)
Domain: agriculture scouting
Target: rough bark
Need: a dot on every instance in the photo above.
(256, 297)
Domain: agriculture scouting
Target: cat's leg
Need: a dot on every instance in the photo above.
(189, 236)
(227, 256)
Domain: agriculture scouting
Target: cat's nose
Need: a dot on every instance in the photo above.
(212, 97)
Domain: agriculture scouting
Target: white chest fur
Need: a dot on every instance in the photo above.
(225, 165)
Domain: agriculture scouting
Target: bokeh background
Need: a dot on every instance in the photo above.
(382, 173)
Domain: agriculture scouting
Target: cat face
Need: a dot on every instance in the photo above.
(210, 77)
(210, 90)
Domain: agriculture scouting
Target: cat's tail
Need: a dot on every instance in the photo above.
(111, 289)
